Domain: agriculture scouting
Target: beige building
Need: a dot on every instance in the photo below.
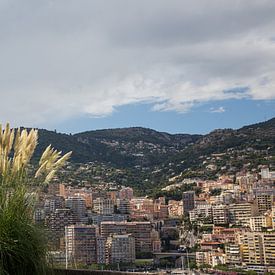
(220, 214)
(212, 258)
(175, 208)
(273, 216)
(232, 252)
(259, 223)
(141, 231)
(258, 248)
(240, 213)
(201, 212)
(264, 202)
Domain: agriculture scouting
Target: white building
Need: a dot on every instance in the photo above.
(220, 214)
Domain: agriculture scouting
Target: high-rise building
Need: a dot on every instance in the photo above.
(39, 215)
(98, 219)
(202, 212)
(260, 223)
(57, 189)
(124, 206)
(264, 201)
(112, 195)
(265, 173)
(258, 248)
(78, 207)
(273, 216)
(156, 242)
(233, 255)
(126, 193)
(240, 213)
(188, 199)
(220, 214)
(103, 206)
(141, 231)
(56, 222)
(120, 248)
(80, 243)
(101, 250)
(52, 203)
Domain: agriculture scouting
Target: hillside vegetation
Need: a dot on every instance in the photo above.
(147, 159)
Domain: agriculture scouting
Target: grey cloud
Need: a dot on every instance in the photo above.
(65, 58)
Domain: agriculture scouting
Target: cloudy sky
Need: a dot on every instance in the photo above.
(176, 66)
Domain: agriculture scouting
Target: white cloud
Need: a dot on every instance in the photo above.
(61, 59)
(217, 110)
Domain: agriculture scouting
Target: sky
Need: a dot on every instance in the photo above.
(177, 66)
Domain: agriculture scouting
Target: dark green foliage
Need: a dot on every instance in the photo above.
(147, 158)
(175, 194)
(215, 192)
(144, 255)
(22, 245)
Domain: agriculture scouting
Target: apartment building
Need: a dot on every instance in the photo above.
(264, 201)
(188, 199)
(233, 254)
(259, 223)
(126, 193)
(101, 250)
(124, 206)
(202, 212)
(273, 216)
(240, 213)
(52, 203)
(175, 208)
(56, 223)
(258, 248)
(78, 207)
(103, 206)
(212, 258)
(120, 249)
(80, 243)
(220, 214)
(141, 231)
(57, 189)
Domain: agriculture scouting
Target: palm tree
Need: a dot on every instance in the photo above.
(23, 248)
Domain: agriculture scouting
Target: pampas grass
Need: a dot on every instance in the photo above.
(23, 248)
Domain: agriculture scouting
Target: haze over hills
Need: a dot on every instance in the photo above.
(145, 157)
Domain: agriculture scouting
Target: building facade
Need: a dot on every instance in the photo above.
(80, 243)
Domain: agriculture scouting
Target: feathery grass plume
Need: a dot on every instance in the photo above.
(51, 161)
(23, 248)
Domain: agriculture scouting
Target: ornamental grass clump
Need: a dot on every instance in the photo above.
(23, 247)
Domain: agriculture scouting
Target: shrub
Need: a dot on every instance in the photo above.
(23, 248)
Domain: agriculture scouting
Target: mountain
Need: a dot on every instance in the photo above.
(229, 150)
(121, 147)
(136, 146)
(147, 159)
